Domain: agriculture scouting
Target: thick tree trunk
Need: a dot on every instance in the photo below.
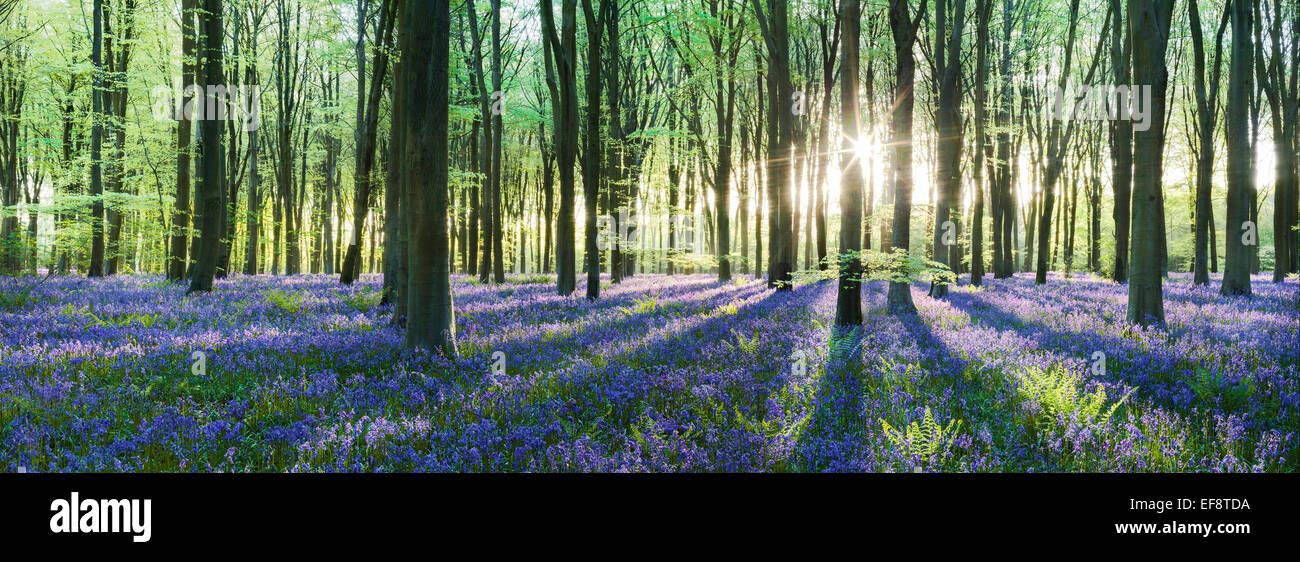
(949, 141)
(498, 265)
(423, 39)
(591, 152)
(904, 30)
(780, 144)
(211, 155)
(1236, 274)
(96, 147)
(1149, 29)
(564, 50)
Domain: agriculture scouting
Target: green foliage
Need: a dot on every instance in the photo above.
(362, 300)
(1060, 399)
(14, 298)
(925, 440)
(120, 320)
(729, 309)
(530, 279)
(1232, 395)
(898, 266)
(289, 303)
(689, 260)
(645, 305)
(748, 346)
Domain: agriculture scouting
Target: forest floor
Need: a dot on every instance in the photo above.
(660, 374)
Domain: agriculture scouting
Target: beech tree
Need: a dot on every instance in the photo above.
(423, 37)
(848, 307)
(212, 174)
(904, 29)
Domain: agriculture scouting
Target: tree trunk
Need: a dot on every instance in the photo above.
(904, 30)
(564, 51)
(368, 119)
(1206, 116)
(1148, 26)
(780, 145)
(948, 129)
(1121, 145)
(211, 155)
(591, 152)
(423, 38)
(983, 9)
(96, 146)
(1004, 213)
(498, 266)
(1236, 274)
(848, 303)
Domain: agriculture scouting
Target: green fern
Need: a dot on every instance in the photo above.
(363, 300)
(748, 346)
(645, 305)
(923, 440)
(729, 309)
(1058, 393)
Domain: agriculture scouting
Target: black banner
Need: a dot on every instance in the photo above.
(155, 513)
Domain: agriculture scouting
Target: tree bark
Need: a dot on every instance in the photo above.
(211, 156)
(848, 302)
(423, 39)
(368, 118)
(1149, 29)
(1121, 146)
(904, 29)
(1236, 274)
(948, 129)
(96, 147)
(564, 51)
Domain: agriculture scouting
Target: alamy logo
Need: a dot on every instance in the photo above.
(216, 102)
(1102, 103)
(497, 368)
(199, 367)
(75, 515)
(629, 229)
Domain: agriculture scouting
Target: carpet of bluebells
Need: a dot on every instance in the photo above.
(662, 373)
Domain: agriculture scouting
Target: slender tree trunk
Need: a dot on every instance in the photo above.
(1004, 214)
(1206, 117)
(983, 9)
(1121, 145)
(848, 304)
(368, 120)
(253, 221)
(96, 147)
